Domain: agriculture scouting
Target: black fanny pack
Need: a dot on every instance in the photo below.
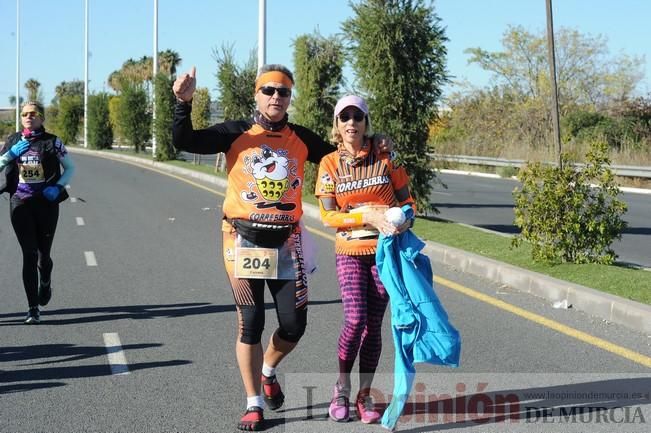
(264, 235)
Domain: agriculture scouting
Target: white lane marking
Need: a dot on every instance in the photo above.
(80, 221)
(90, 258)
(73, 199)
(116, 358)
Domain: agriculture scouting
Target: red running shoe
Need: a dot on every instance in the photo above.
(273, 395)
(252, 420)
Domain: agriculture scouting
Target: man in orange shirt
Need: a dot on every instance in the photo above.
(261, 235)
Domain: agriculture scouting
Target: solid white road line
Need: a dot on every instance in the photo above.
(116, 358)
(80, 221)
(90, 258)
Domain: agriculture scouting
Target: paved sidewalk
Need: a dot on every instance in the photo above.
(632, 314)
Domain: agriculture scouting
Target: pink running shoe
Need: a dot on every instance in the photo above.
(366, 410)
(339, 410)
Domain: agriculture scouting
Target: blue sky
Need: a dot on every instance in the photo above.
(52, 33)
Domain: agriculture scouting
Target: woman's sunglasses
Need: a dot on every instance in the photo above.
(283, 92)
(345, 117)
(30, 114)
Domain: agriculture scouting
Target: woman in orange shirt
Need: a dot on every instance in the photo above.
(355, 186)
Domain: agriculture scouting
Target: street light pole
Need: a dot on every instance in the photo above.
(262, 24)
(17, 65)
(554, 88)
(153, 80)
(86, 73)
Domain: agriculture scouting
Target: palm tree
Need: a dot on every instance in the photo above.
(115, 81)
(12, 100)
(33, 87)
(168, 60)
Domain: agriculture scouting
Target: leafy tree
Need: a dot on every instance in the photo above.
(68, 88)
(133, 115)
(133, 72)
(235, 83)
(201, 120)
(68, 121)
(318, 73)
(164, 114)
(33, 90)
(201, 108)
(587, 74)
(486, 121)
(100, 133)
(114, 110)
(7, 127)
(115, 81)
(398, 55)
(565, 217)
(51, 117)
(141, 70)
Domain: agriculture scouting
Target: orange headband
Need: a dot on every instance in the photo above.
(275, 76)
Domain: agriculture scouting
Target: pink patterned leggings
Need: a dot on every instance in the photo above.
(364, 300)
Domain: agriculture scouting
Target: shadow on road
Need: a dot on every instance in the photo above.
(644, 231)
(43, 354)
(132, 312)
(473, 205)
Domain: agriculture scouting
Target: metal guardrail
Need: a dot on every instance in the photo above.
(618, 170)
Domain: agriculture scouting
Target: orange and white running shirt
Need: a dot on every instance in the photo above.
(373, 181)
(265, 168)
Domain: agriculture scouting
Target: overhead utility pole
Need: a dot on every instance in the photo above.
(552, 71)
(153, 80)
(86, 74)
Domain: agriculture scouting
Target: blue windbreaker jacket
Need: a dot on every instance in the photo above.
(419, 323)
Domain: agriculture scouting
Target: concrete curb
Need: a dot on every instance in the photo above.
(625, 312)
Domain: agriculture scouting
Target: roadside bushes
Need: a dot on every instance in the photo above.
(164, 115)
(623, 132)
(570, 214)
(100, 132)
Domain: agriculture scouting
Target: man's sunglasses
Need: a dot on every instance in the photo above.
(283, 92)
(345, 117)
(30, 114)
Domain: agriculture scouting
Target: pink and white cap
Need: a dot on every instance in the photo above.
(351, 101)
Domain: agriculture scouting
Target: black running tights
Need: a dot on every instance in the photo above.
(35, 222)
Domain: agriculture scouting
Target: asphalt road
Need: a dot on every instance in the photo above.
(488, 203)
(158, 293)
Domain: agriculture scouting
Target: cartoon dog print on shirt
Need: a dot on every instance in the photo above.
(271, 171)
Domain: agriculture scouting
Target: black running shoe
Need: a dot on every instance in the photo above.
(273, 395)
(33, 316)
(44, 295)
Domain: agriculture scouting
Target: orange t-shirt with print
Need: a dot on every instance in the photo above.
(372, 180)
(265, 176)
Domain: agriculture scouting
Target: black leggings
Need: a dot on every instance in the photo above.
(35, 222)
(290, 298)
(291, 320)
